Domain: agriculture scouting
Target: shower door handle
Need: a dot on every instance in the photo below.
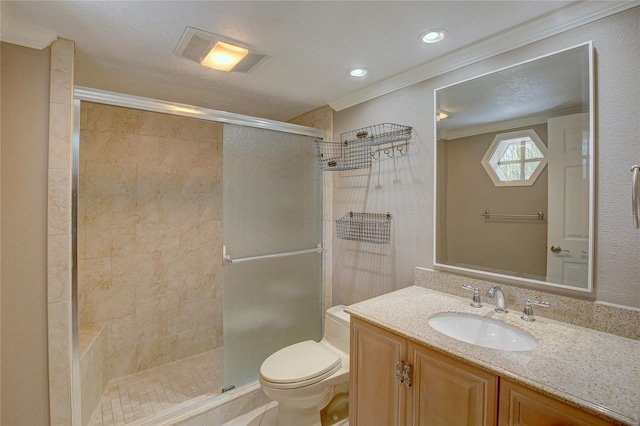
(227, 258)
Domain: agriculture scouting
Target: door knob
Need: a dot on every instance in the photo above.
(557, 249)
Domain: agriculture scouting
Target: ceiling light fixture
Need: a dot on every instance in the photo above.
(224, 56)
(433, 36)
(218, 52)
(358, 72)
(442, 115)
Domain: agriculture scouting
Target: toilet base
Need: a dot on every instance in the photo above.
(302, 411)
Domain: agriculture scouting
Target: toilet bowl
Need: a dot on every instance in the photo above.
(302, 377)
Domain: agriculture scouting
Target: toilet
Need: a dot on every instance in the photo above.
(302, 377)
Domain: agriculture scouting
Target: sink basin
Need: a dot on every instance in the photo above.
(482, 331)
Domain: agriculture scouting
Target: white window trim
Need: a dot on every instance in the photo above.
(490, 164)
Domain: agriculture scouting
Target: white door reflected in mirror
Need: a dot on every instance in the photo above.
(568, 218)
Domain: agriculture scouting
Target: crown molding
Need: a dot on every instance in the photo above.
(24, 34)
(565, 19)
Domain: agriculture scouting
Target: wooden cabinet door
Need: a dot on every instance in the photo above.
(520, 406)
(376, 398)
(446, 392)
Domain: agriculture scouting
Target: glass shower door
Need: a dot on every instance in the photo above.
(272, 206)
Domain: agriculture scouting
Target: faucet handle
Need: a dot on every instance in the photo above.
(527, 314)
(476, 295)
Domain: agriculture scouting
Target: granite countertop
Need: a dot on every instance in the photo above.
(594, 371)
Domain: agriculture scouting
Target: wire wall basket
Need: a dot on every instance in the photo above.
(379, 134)
(358, 147)
(334, 156)
(365, 227)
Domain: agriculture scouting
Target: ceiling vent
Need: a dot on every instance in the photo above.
(196, 44)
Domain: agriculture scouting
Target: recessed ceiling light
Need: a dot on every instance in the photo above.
(358, 72)
(433, 36)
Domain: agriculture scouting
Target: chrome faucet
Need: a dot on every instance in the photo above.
(501, 302)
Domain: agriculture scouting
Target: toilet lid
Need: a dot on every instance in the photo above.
(301, 362)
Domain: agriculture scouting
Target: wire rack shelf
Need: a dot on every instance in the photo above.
(335, 156)
(357, 148)
(365, 227)
(379, 134)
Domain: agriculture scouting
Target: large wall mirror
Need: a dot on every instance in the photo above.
(514, 171)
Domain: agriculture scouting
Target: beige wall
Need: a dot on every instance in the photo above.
(150, 234)
(25, 117)
(504, 246)
(406, 188)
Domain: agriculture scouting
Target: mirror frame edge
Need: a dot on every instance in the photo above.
(588, 291)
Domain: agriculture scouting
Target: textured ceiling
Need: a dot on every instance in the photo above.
(127, 46)
(546, 87)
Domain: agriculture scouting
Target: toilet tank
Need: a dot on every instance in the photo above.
(336, 328)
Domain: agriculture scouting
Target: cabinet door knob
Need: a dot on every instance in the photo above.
(399, 375)
(406, 376)
(403, 373)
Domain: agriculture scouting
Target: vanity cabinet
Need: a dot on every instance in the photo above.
(375, 396)
(520, 406)
(397, 382)
(449, 392)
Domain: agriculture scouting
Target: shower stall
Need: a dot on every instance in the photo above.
(198, 250)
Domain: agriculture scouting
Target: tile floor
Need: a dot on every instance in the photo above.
(142, 394)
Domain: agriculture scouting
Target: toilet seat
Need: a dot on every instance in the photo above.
(299, 365)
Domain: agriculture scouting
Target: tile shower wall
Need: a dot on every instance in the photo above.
(150, 234)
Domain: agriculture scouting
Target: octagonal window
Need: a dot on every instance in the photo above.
(515, 158)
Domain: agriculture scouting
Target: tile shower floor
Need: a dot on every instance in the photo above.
(142, 394)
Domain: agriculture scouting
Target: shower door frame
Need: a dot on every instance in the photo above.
(152, 105)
